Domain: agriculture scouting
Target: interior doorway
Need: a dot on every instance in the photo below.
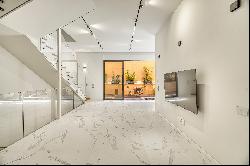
(129, 80)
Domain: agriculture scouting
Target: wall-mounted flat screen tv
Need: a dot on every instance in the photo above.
(181, 89)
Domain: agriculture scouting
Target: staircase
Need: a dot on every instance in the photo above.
(23, 49)
(42, 59)
(32, 110)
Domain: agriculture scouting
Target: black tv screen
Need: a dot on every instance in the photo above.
(181, 89)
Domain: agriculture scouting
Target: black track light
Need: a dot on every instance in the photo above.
(135, 23)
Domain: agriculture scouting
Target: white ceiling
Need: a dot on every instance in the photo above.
(8, 6)
(41, 17)
(112, 22)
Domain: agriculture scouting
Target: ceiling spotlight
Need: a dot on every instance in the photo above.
(91, 32)
(84, 65)
(135, 24)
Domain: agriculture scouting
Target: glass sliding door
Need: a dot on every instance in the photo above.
(139, 80)
(113, 80)
(129, 80)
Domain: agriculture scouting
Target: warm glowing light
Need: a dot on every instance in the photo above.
(151, 2)
(97, 26)
(137, 41)
(84, 31)
(85, 66)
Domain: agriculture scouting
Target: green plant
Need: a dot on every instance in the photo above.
(130, 77)
(147, 76)
(116, 79)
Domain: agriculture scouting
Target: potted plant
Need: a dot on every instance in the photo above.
(147, 76)
(130, 77)
(116, 79)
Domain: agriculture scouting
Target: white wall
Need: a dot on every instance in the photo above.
(216, 43)
(15, 76)
(94, 74)
(94, 62)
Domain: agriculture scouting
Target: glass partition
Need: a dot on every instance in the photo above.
(23, 113)
(71, 70)
(139, 79)
(11, 121)
(113, 80)
(70, 73)
(82, 70)
(77, 101)
(67, 100)
(48, 46)
(36, 109)
(129, 80)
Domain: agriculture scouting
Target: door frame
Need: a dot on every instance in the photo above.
(104, 65)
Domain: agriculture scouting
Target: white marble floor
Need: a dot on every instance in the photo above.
(109, 132)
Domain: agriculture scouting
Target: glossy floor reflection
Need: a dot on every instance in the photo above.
(112, 132)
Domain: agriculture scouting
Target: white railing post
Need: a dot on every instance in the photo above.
(59, 64)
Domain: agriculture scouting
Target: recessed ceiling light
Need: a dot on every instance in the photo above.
(84, 65)
(84, 31)
(151, 2)
(97, 26)
(137, 40)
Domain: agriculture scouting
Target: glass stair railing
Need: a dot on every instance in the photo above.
(48, 46)
(72, 71)
(23, 113)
